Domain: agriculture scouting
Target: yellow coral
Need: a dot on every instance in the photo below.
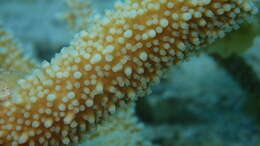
(112, 64)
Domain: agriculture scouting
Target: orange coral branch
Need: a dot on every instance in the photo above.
(112, 64)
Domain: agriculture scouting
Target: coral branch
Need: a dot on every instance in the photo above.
(112, 64)
(121, 128)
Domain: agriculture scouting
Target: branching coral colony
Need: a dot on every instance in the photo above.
(111, 65)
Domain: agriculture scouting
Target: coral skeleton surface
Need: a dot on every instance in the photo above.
(111, 65)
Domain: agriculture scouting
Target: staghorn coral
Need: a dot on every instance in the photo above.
(129, 126)
(112, 64)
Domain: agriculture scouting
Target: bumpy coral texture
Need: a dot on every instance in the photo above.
(123, 127)
(112, 64)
